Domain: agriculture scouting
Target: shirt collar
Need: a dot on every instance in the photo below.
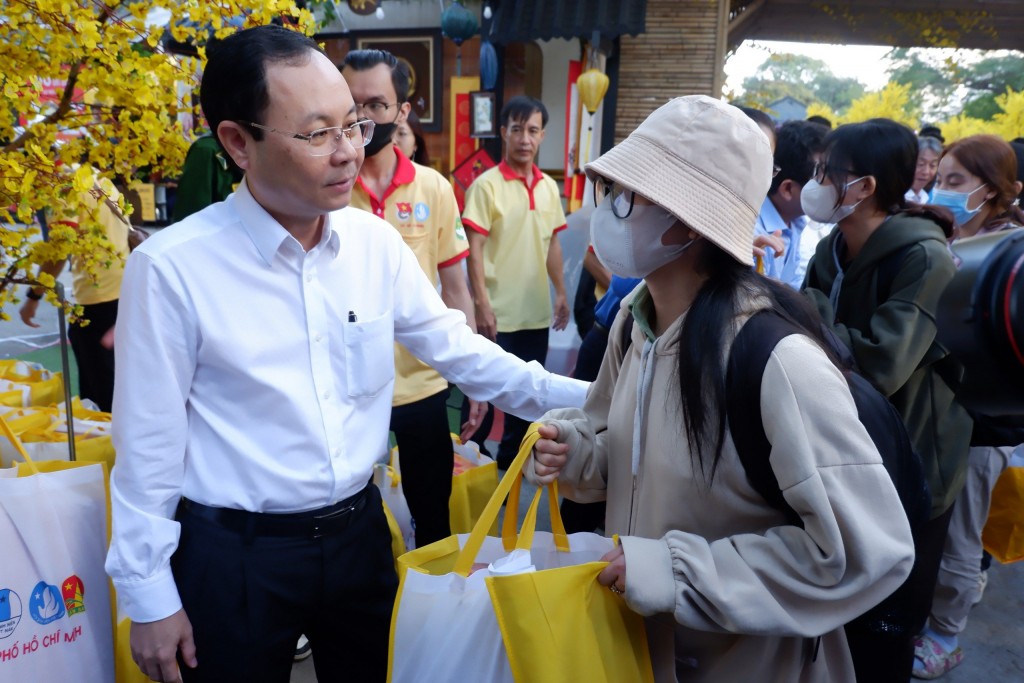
(405, 173)
(508, 174)
(772, 221)
(266, 233)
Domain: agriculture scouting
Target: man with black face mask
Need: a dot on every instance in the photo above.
(421, 205)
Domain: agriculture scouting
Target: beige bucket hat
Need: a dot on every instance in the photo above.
(704, 161)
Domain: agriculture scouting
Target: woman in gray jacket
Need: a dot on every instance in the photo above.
(732, 591)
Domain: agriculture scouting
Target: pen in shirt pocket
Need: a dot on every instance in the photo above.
(351, 316)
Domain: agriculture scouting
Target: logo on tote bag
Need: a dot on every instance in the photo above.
(46, 604)
(74, 595)
(10, 611)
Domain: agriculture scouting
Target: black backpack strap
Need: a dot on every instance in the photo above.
(747, 360)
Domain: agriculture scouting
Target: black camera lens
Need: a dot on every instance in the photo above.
(981, 321)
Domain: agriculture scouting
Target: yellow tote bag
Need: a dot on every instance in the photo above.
(29, 384)
(472, 488)
(1003, 536)
(458, 618)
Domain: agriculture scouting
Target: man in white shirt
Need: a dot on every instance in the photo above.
(253, 390)
(798, 146)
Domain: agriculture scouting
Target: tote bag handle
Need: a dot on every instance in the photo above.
(509, 487)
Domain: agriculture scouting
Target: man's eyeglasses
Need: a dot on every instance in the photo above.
(374, 109)
(621, 198)
(776, 170)
(326, 141)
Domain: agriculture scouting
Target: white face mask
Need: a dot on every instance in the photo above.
(631, 246)
(819, 201)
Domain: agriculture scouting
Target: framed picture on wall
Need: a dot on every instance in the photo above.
(483, 119)
(421, 52)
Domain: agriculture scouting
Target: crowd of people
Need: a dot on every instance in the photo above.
(267, 344)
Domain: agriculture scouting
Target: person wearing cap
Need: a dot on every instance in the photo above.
(732, 591)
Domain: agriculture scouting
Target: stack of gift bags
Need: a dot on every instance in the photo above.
(57, 605)
(474, 479)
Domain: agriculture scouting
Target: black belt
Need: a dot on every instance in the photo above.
(326, 521)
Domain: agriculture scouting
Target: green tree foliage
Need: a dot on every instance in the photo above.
(804, 78)
(945, 84)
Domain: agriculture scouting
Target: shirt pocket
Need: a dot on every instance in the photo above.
(369, 355)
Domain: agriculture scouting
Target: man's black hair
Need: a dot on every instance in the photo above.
(520, 108)
(796, 144)
(760, 118)
(364, 60)
(820, 120)
(234, 83)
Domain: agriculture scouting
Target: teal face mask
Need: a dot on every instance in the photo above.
(957, 203)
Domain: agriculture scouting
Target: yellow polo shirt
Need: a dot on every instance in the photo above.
(106, 285)
(421, 205)
(519, 221)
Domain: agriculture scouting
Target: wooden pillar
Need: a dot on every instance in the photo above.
(682, 52)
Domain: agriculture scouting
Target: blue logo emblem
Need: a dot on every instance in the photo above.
(422, 212)
(46, 603)
(10, 611)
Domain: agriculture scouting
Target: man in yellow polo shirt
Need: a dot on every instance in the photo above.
(97, 289)
(421, 205)
(512, 214)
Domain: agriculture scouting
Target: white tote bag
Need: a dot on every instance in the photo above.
(55, 609)
(444, 627)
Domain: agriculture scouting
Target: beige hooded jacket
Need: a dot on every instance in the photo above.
(733, 593)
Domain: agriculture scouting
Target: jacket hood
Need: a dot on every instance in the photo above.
(895, 234)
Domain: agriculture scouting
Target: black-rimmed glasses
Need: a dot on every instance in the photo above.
(326, 141)
(374, 109)
(621, 197)
(821, 169)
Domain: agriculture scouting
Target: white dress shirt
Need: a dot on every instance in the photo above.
(253, 375)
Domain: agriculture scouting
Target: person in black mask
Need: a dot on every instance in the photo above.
(420, 203)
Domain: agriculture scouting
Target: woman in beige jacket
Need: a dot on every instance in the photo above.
(731, 591)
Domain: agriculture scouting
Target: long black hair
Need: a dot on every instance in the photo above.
(708, 329)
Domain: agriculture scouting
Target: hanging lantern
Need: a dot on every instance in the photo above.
(364, 7)
(593, 85)
(458, 24)
(488, 66)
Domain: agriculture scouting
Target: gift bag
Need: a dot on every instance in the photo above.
(29, 384)
(461, 601)
(1003, 536)
(43, 433)
(55, 599)
(388, 479)
(126, 671)
(474, 479)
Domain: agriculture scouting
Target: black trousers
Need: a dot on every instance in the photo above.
(528, 345)
(249, 597)
(425, 449)
(884, 655)
(95, 363)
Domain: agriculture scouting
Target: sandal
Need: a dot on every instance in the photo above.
(931, 660)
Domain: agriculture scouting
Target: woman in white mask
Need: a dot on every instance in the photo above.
(732, 590)
(877, 280)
